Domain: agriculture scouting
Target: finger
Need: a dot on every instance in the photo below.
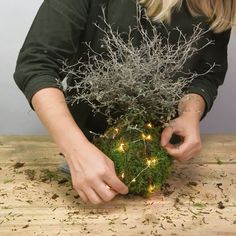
(192, 145)
(190, 153)
(166, 135)
(115, 183)
(92, 196)
(82, 195)
(105, 192)
(174, 151)
(183, 152)
(111, 165)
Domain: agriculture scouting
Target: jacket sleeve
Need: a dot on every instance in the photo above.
(207, 85)
(53, 36)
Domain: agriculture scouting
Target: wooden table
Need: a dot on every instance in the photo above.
(35, 199)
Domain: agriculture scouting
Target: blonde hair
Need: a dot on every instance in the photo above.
(220, 13)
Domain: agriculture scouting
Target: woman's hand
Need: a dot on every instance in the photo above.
(191, 108)
(93, 173)
(187, 127)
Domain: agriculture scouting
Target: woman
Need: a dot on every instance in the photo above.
(58, 33)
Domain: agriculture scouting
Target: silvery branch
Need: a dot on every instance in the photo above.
(137, 81)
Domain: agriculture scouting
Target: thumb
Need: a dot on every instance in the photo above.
(113, 181)
(116, 184)
(166, 135)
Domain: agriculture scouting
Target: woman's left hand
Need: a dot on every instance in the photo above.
(187, 127)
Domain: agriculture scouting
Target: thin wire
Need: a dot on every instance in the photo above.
(138, 175)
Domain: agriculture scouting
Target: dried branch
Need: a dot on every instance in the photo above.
(136, 81)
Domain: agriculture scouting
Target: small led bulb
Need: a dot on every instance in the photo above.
(123, 175)
(151, 188)
(121, 147)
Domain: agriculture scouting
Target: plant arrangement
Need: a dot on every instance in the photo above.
(133, 87)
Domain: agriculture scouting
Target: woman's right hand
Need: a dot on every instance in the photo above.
(93, 173)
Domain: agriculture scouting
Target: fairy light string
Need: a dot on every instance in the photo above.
(139, 160)
(151, 162)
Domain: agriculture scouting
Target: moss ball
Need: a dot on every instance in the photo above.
(140, 162)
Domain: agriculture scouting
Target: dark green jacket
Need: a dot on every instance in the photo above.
(61, 26)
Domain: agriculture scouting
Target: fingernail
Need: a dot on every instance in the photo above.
(163, 144)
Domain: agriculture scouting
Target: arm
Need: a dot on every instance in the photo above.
(90, 169)
(52, 38)
(199, 100)
(207, 85)
(54, 35)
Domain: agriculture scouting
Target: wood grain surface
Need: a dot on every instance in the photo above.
(37, 199)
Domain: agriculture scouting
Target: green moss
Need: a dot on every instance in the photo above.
(48, 175)
(30, 174)
(131, 149)
(219, 162)
(54, 175)
(6, 181)
(199, 204)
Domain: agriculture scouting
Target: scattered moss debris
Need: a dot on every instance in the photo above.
(165, 189)
(49, 175)
(219, 162)
(8, 181)
(219, 186)
(26, 226)
(54, 196)
(199, 204)
(220, 205)
(63, 180)
(111, 222)
(19, 165)
(192, 183)
(30, 174)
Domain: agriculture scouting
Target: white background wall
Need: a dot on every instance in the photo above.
(16, 116)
